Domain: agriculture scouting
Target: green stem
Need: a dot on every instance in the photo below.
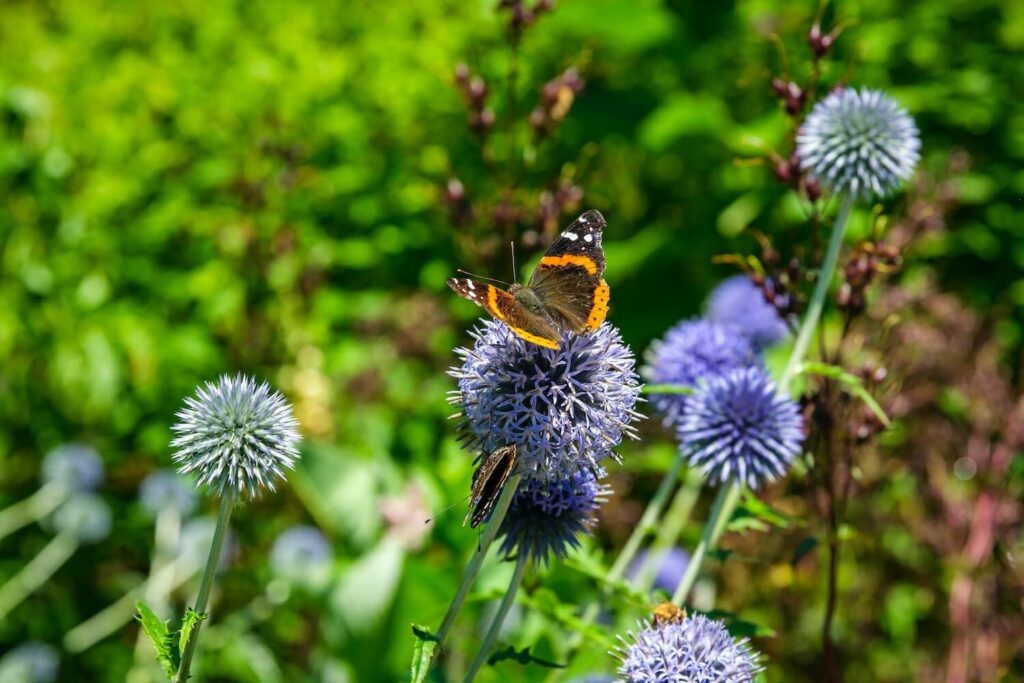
(725, 503)
(647, 523)
(669, 530)
(476, 562)
(499, 617)
(810, 322)
(34, 574)
(41, 503)
(728, 497)
(227, 504)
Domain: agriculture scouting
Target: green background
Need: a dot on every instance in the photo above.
(193, 188)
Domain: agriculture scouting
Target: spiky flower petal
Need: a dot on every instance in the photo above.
(85, 516)
(690, 353)
(693, 650)
(739, 303)
(737, 428)
(301, 553)
(859, 142)
(547, 518)
(166, 489)
(564, 408)
(75, 466)
(237, 435)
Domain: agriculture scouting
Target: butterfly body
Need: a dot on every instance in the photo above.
(488, 481)
(566, 292)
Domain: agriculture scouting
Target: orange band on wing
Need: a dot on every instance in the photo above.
(570, 260)
(492, 306)
(599, 310)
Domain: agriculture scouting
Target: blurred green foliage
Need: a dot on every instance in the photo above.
(193, 188)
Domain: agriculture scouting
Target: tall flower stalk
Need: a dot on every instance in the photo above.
(238, 437)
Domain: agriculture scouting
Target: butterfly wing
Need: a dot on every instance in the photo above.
(569, 279)
(488, 481)
(504, 307)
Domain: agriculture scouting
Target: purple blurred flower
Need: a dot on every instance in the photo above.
(739, 303)
(691, 352)
(670, 566)
(30, 662)
(85, 516)
(693, 650)
(166, 489)
(564, 408)
(736, 427)
(546, 518)
(301, 553)
(76, 466)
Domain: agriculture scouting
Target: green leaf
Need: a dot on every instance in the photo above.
(804, 547)
(422, 653)
(852, 383)
(167, 652)
(521, 657)
(188, 624)
(667, 389)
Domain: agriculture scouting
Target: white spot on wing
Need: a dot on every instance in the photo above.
(588, 237)
(571, 235)
(469, 283)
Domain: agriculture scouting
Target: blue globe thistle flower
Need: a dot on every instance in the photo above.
(737, 428)
(84, 516)
(546, 518)
(691, 352)
(859, 142)
(30, 662)
(670, 565)
(739, 303)
(564, 408)
(166, 489)
(236, 435)
(691, 650)
(75, 466)
(301, 553)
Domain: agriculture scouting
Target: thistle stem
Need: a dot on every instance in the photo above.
(675, 519)
(648, 521)
(729, 496)
(725, 503)
(35, 507)
(499, 618)
(37, 572)
(227, 504)
(476, 562)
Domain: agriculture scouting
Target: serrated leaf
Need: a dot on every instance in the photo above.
(804, 547)
(521, 657)
(159, 633)
(188, 624)
(422, 653)
(851, 382)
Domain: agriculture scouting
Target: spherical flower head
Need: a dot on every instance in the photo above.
(859, 142)
(301, 554)
(85, 517)
(737, 302)
(75, 466)
(564, 408)
(670, 565)
(690, 353)
(737, 428)
(30, 662)
(692, 650)
(167, 490)
(547, 517)
(236, 435)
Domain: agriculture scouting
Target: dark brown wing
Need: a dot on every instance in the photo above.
(569, 281)
(504, 307)
(488, 481)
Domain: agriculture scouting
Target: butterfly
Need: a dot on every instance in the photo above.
(488, 481)
(566, 292)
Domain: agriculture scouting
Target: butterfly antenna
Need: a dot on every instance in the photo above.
(515, 273)
(492, 279)
(458, 502)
